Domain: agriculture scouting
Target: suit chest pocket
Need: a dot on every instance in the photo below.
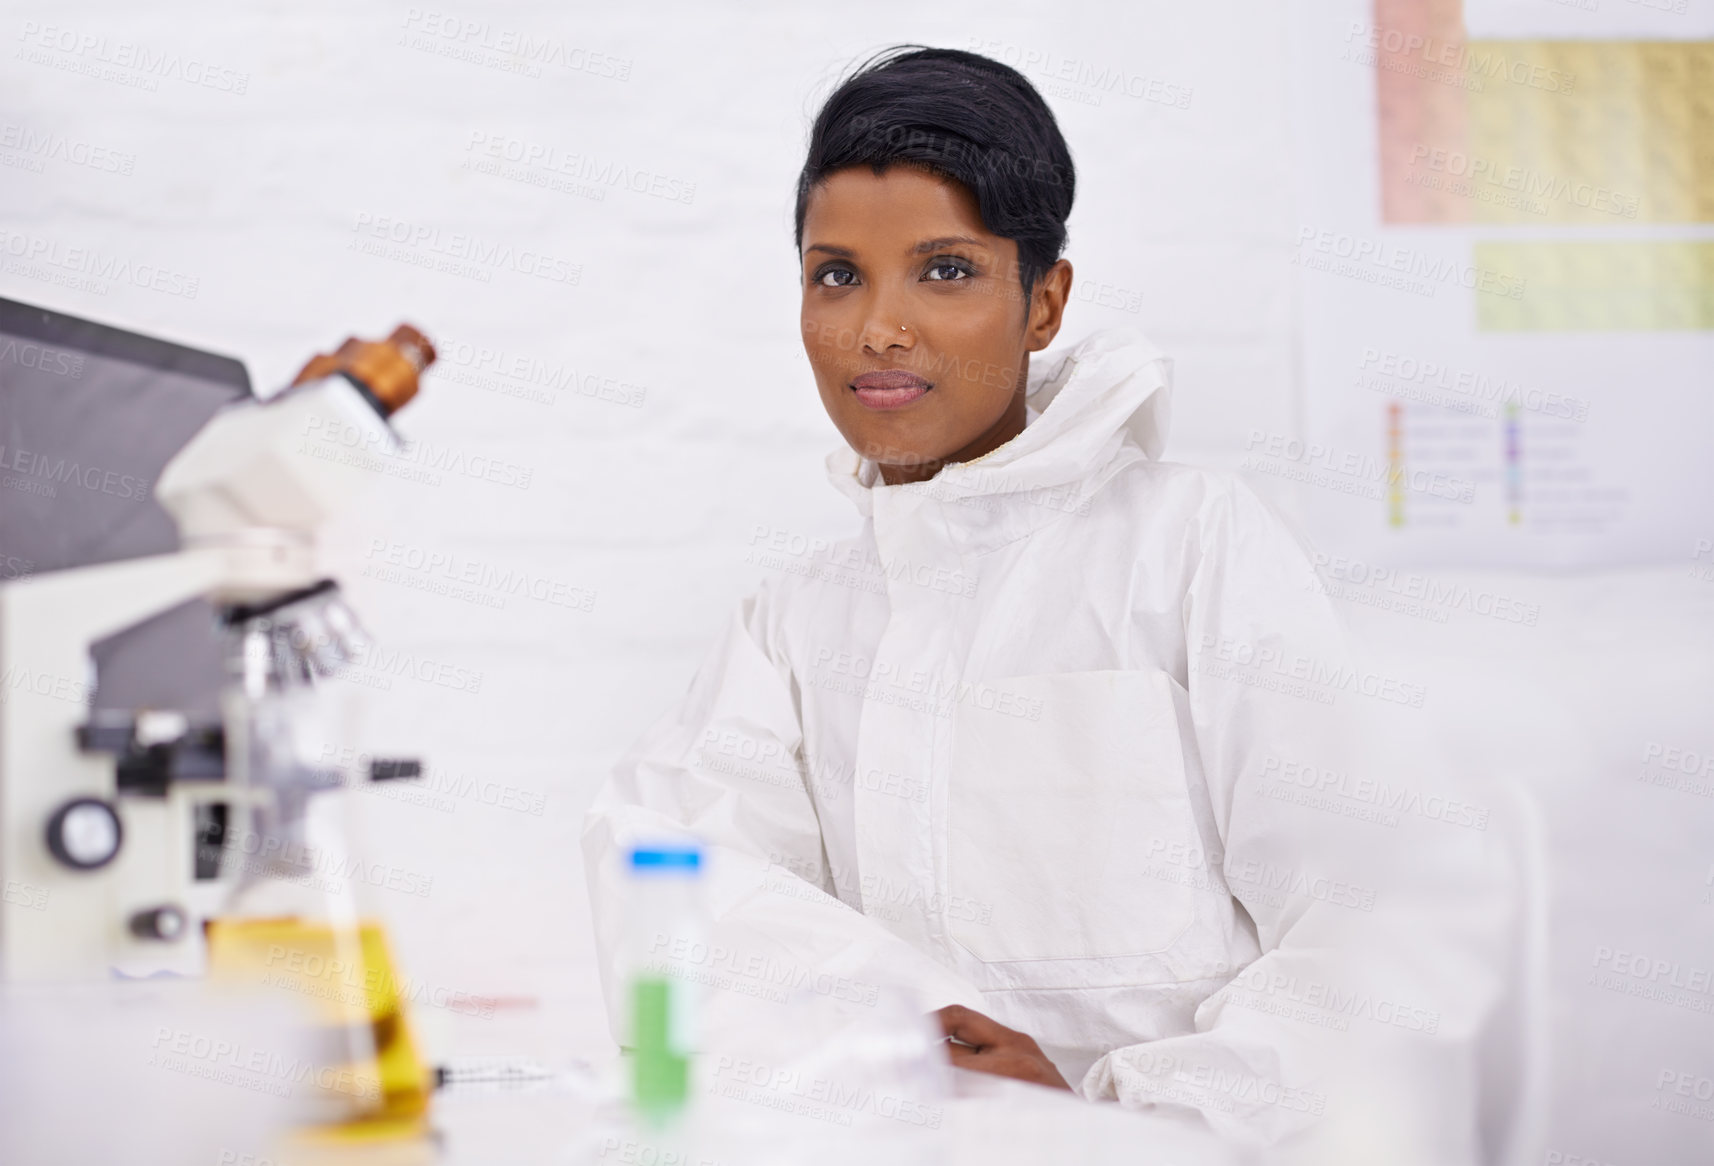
(1059, 793)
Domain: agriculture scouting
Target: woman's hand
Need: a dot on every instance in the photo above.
(987, 1046)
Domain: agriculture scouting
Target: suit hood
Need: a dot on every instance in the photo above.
(1092, 402)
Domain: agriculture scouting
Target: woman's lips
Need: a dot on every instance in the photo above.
(889, 390)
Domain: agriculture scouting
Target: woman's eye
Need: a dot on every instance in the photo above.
(836, 277)
(944, 270)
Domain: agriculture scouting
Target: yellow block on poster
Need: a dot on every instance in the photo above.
(1614, 132)
(1601, 286)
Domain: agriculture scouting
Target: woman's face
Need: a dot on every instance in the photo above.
(914, 319)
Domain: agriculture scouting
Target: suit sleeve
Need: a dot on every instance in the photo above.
(1376, 922)
(726, 766)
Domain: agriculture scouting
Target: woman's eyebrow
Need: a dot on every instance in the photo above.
(921, 248)
(945, 241)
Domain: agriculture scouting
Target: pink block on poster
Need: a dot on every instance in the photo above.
(1420, 77)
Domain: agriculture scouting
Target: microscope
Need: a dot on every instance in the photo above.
(123, 835)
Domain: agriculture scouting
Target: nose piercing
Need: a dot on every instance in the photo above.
(901, 327)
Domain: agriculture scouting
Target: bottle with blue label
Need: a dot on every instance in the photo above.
(667, 933)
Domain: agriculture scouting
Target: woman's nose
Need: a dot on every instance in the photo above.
(884, 330)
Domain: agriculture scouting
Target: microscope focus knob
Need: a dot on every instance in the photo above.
(166, 923)
(394, 768)
(85, 833)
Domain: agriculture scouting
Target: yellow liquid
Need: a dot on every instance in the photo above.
(348, 977)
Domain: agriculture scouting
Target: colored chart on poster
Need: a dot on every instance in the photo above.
(1506, 257)
(1540, 131)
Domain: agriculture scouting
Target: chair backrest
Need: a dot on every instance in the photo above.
(1514, 1049)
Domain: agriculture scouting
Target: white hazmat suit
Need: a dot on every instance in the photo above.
(1041, 739)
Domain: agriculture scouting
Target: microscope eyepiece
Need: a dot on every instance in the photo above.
(386, 370)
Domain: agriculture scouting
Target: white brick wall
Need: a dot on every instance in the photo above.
(256, 196)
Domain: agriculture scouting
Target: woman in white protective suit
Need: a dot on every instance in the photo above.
(1033, 741)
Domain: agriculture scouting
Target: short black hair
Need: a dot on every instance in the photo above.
(964, 117)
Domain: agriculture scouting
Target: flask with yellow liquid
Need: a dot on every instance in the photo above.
(299, 922)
